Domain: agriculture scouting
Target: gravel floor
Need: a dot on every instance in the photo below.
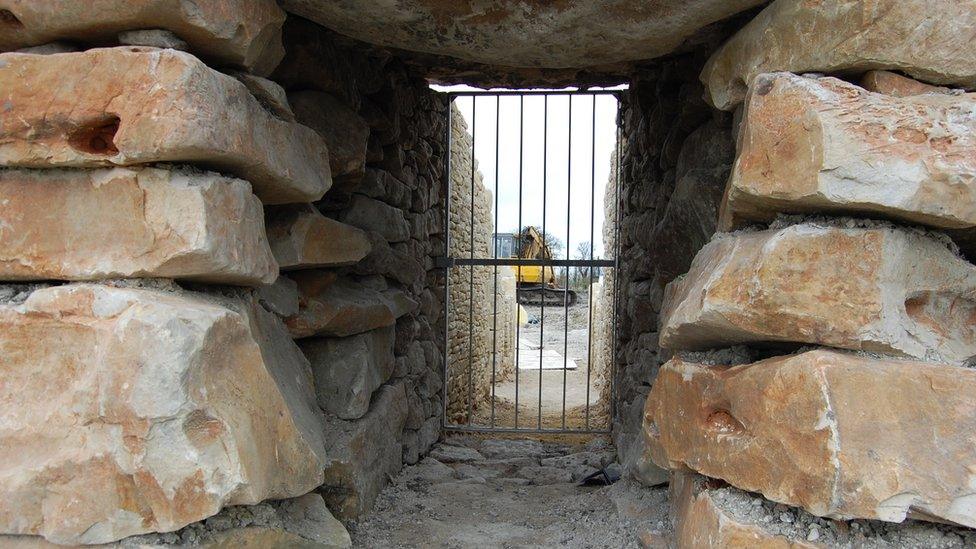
(505, 493)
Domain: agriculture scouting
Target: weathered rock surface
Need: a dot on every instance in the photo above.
(821, 144)
(530, 35)
(236, 33)
(130, 410)
(690, 217)
(120, 222)
(331, 305)
(364, 453)
(379, 217)
(347, 370)
(840, 435)
(345, 131)
(279, 297)
(926, 39)
(294, 523)
(269, 93)
(127, 106)
(879, 288)
(700, 522)
(894, 84)
(301, 238)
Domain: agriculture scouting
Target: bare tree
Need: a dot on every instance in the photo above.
(583, 251)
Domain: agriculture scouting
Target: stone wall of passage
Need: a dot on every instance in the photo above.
(483, 309)
(368, 323)
(676, 156)
(218, 300)
(819, 348)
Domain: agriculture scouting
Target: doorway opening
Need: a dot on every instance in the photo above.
(530, 255)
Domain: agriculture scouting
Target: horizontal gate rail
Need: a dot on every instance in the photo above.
(512, 262)
(533, 425)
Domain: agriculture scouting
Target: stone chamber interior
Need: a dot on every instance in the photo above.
(222, 315)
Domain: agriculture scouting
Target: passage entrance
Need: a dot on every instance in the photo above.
(529, 260)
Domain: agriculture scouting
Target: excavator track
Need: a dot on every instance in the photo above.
(549, 296)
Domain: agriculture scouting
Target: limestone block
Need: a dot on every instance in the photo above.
(120, 222)
(821, 144)
(841, 435)
(347, 370)
(378, 217)
(330, 305)
(130, 410)
(700, 522)
(301, 237)
(344, 131)
(876, 288)
(364, 453)
(129, 105)
(237, 33)
(926, 39)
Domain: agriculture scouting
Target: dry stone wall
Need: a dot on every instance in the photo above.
(823, 362)
(217, 289)
(367, 318)
(483, 311)
(676, 154)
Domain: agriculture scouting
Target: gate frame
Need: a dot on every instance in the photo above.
(446, 262)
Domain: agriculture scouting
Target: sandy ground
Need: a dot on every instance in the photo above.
(517, 494)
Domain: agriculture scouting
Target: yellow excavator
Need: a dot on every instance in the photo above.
(535, 284)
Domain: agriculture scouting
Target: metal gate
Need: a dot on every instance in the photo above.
(464, 380)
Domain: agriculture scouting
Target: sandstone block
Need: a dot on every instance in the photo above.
(821, 144)
(344, 131)
(926, 39)
(364, 453)
(301, 238)
(129, 410)
(235, 33)
(127, 106)
(120, 223)
(841, 435)
(347, 370)
(877, 288)
(330, 305)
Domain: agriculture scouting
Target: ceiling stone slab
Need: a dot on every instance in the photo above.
(524, 33)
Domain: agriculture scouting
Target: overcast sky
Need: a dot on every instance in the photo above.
(576, 188)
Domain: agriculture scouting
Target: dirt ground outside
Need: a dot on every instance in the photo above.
(563, 336)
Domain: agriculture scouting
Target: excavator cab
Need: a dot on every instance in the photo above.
(536, 284)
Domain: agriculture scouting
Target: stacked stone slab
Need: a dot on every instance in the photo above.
(875, 422)
(131, 403)
(366, 318)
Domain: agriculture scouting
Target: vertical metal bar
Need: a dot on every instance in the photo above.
(616, 268)
(518, 275)
(542, 314)
(589, 287)
(474, 118)
(569, 202)
(494, 306)
(447, 254)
